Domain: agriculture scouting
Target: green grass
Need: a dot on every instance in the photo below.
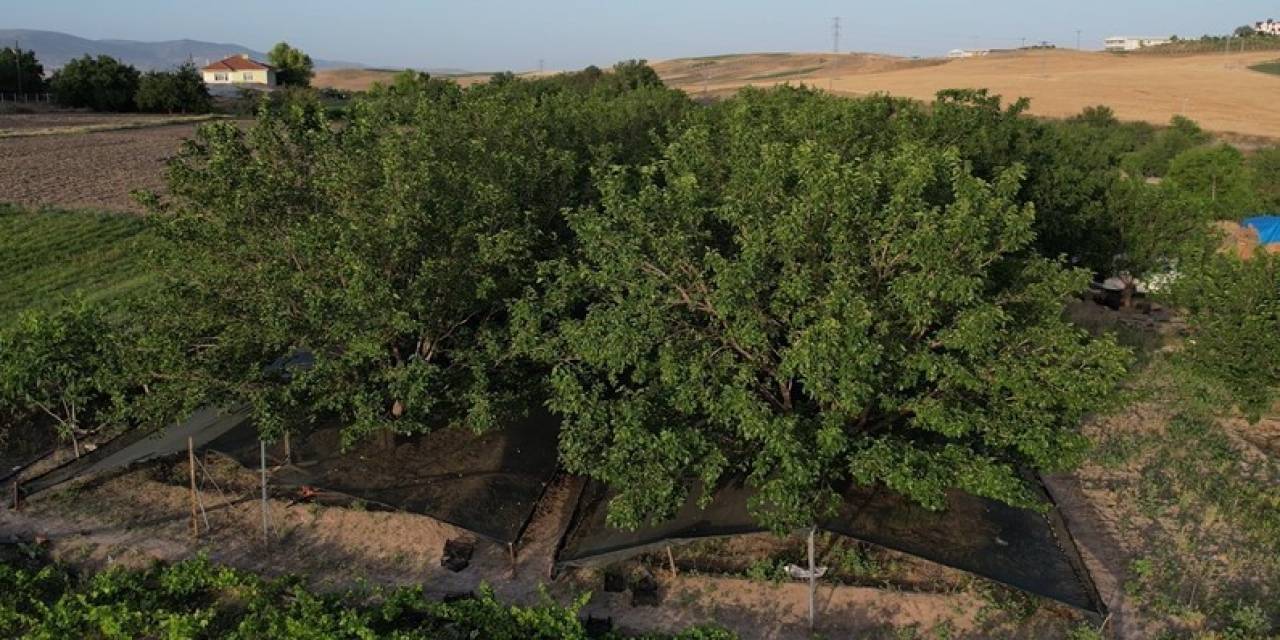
(51, 254)
(1272, 67)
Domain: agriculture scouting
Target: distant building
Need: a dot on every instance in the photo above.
(1131, 43)
(240, 69)
(968, 53)
(1269, 27)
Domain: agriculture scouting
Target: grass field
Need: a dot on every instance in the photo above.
(1272, 67)
(51, 254)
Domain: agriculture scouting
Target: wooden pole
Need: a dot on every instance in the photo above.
(17, 496)
(191, 463)
(262, 451)
(671, 561)
(813, 582)
(511, 548)
(288, 455)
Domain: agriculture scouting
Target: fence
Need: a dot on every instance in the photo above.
(21, 98)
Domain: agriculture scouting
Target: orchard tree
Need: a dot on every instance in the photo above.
(1218, 179)
(61, 365)
(1264, 164)
(1155, 227)
(20, 71)
(293, 67)
(102, 84)
(388, 249)
(179, 91)
(802, 321)
(1233, 324)
(1152, 160)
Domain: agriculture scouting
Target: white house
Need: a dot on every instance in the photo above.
(1131, 43)
(1269, 27)
(239, 69)
(967, 53)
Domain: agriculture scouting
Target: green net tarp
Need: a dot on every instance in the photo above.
(487, 483)
(1017, 547)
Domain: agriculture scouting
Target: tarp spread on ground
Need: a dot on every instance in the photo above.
(1268, 228)
(141, 445)
(1017, 547)
(487, 483)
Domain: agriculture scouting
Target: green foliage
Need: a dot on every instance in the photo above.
(293, 67)
(179, 91)
(1271, 68)
(102, 84)
(1233, 320)
(1217, 179)
(1155, 227)
(20, 71)
(50, 255)
(62, 365)
(1152, 161)
(272, 245)
(195, 599)
(1074, 169)
(755, 305)
(1264, 164)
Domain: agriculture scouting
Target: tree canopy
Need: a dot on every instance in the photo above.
(293, 66)
(754, 305)
(102, 84)
(179, 91)
(20, 71)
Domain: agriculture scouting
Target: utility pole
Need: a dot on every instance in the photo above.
(1077, 39)
(17, 62)
(542, 66)
(835, 35)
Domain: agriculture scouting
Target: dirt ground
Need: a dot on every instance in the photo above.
(1219, 92)
(144, 515)
(85, 170)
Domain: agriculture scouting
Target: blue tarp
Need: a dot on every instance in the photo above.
(1268, 228)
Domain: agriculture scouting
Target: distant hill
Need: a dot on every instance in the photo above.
(54, 49)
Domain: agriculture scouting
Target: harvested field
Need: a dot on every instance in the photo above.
(87, 170)
(1220, 93)
(363, 79)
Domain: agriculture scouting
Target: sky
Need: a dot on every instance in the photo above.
(492, 35)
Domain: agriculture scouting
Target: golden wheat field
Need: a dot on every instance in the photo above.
(1219, 92)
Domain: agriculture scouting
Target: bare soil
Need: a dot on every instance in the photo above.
(10, 122)
(87, 170)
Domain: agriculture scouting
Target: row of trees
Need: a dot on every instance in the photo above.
(788, 287)
(103, 83)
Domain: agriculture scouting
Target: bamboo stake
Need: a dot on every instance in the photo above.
(191, 463)
(671, 561)
(813, 582)
(262, 450)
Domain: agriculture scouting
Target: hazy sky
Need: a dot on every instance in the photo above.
(493, 35)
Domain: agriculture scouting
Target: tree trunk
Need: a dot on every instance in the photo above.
(1126, 294)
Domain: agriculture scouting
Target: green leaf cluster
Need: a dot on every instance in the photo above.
(196, 599)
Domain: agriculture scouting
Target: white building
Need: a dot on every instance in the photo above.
(1131, 43)
(1269, 27)
(968, 53)
(239, 69)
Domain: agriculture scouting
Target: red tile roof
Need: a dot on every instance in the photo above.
(236, 63)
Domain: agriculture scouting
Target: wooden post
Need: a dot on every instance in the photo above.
(17, 495)
(191, 463)
(511, 548)
(813, 581)
(671, 561)
(262, 450)
(288, 455)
